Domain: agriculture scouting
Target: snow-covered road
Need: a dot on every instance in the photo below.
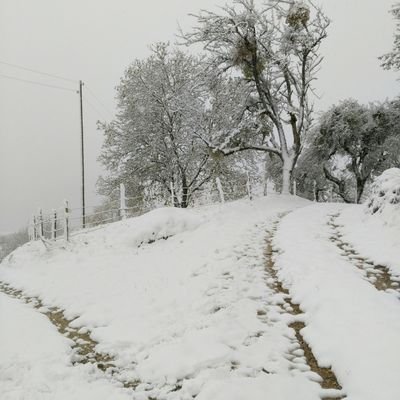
(199, 314)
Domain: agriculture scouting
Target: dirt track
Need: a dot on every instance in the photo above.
(328, 378)
(377, 275)
(84, 346)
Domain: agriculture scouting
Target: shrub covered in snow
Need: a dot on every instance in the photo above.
(385, 197)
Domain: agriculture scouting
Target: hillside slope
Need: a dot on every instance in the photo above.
(258, 300)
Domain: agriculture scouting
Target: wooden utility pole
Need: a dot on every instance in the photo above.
(82, 156)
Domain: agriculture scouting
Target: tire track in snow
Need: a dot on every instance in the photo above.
(84, 346)
(328, 379)
(378, 275)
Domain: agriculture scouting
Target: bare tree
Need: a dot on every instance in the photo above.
(276, 50)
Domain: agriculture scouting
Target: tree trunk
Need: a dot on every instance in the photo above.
(185, 193)
(360, 189)
(185, 198)
(341, 185)
(287, 170)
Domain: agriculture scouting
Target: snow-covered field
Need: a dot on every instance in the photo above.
(183, 302)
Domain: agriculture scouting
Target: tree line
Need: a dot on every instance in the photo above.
(246, 102)
(9, 242)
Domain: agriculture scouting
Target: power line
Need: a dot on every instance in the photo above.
(105, 108)
(98, 100)
(37, 83)
(94, 108)
(38, 72)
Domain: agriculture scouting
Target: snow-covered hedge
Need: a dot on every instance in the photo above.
(385, 197)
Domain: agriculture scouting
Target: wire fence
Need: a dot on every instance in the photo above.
(65, 222)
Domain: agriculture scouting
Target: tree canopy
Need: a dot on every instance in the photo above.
(276, 51)
(351, 144)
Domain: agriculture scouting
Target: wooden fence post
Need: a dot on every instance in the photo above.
(248, 187)
(265, 192)
(41, 223)
(315, 190)
(66, 221)
(35, 232)
(32, 229)
(122, 201)
(220, 190)
(54, 226)
(172, 195)
(294, 187)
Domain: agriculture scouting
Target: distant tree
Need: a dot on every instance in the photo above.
(152, 143)
(10, 242)
(391, 60)
(392, 144)
(275, 50)
(353, 143)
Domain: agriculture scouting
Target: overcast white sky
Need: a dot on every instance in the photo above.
(95, 40)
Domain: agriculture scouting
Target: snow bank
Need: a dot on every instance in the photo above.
(158, 224)
(350, 325)
(385, 197)
(35, 361)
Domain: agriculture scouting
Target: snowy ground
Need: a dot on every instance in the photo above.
(351, 326)
(183, 302)
(35, 361)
